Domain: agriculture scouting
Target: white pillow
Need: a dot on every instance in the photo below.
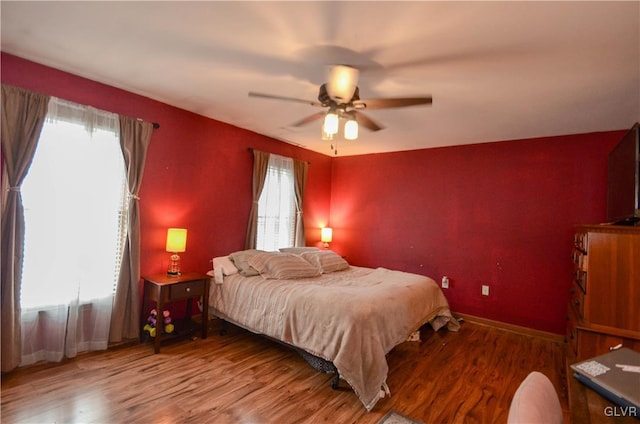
(217, 275)
(224, 263)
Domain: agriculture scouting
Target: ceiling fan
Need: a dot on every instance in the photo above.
(341, 96)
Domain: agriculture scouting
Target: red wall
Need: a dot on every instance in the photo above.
(500, 214)
(198, 170)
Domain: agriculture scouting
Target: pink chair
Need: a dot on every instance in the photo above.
(535, 401)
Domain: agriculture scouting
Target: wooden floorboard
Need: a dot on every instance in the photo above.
(464, 377)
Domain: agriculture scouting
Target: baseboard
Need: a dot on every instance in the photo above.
(513, 328)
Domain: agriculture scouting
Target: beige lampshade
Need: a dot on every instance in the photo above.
(343, 81)
(327, 235)
(176, 240)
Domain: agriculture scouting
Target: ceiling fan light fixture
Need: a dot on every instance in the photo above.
(351, 129)
(330, 124)
(326, 136)
(342, 82)
(341, 96)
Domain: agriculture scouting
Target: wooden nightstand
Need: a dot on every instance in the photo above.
(164, 289)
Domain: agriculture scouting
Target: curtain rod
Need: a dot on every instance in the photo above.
(155, 124)
(250, 150)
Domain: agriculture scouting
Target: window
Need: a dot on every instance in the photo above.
(277, 206)
(75, 203)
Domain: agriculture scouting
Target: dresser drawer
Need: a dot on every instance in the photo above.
(186, 290)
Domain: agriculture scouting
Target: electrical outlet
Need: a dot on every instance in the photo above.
(445, 282)
(485, 290)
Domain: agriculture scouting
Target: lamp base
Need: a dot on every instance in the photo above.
(174, 266)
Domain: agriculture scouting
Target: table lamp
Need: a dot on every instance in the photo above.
(176, 242)
(326, 236)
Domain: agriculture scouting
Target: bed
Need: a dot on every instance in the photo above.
(315, 301)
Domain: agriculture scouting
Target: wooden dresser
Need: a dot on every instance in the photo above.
(604, 307)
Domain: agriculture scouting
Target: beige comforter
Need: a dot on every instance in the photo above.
(352, 318)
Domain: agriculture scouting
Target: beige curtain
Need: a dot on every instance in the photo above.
(23, 115)
(260, 165)
(135, 136)
(300, 169)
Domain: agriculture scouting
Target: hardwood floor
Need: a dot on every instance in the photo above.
(469, 377)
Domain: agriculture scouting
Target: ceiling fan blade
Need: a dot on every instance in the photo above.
(308, 119)
(367, 122)
(385, 103)
(288, 99)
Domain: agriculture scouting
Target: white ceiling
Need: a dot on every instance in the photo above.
(496, 70)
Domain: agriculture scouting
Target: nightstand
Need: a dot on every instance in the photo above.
(163, 289)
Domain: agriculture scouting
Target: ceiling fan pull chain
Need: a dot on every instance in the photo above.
(334, 147)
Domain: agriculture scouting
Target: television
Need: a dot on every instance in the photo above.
(623, 180)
